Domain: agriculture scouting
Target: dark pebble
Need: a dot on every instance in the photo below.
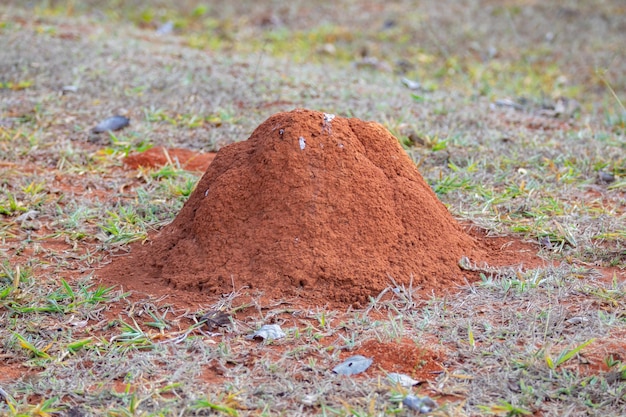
(606, 177)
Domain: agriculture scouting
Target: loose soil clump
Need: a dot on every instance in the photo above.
(327, 208)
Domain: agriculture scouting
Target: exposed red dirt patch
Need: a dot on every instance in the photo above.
(325, 208)
(406, 357)
(160, 156)
(212, 373)
(506, 250)
(594, 357)
(10, 372)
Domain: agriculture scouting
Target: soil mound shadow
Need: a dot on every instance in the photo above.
(323, 207)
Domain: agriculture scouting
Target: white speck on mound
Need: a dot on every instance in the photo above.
(302, 142)
(326, 126)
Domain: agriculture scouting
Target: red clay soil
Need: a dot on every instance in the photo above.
(405, 357)
(160, 156)
(328, 209)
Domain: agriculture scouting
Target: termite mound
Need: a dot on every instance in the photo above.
(326, 208)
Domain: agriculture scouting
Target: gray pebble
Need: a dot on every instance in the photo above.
(111, 124)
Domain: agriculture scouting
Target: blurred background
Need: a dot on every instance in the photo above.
(518, 48)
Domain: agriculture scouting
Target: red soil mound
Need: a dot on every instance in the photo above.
(160, 156)
(313, 205)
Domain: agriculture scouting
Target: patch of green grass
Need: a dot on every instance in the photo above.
(504, 408)
(9, 204)
(16, 86)
(190, 121)
(16, 294)
(123, 146)
(452, 183)
(75, 220)
(125, 225)
(226, 406)
(565, 355)
(44, 408)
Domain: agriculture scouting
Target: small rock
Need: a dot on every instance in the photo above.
(389, 23)
(310, 399)
(410, 84)
(606, 177)
(353, 365)
(268, 332)
(402, 379)
(166, 28)
(111, 124)
(545, 242)
(328, 49)
(577, 320)
(416, 139)
(421, 404)
(505, 102)
(215, 319)
(68, 89)
(29, 215)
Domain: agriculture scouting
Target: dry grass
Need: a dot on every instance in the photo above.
(544, 341)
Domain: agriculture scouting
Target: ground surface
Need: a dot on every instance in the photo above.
(516, 124)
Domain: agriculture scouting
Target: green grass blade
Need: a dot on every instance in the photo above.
(569, 354)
